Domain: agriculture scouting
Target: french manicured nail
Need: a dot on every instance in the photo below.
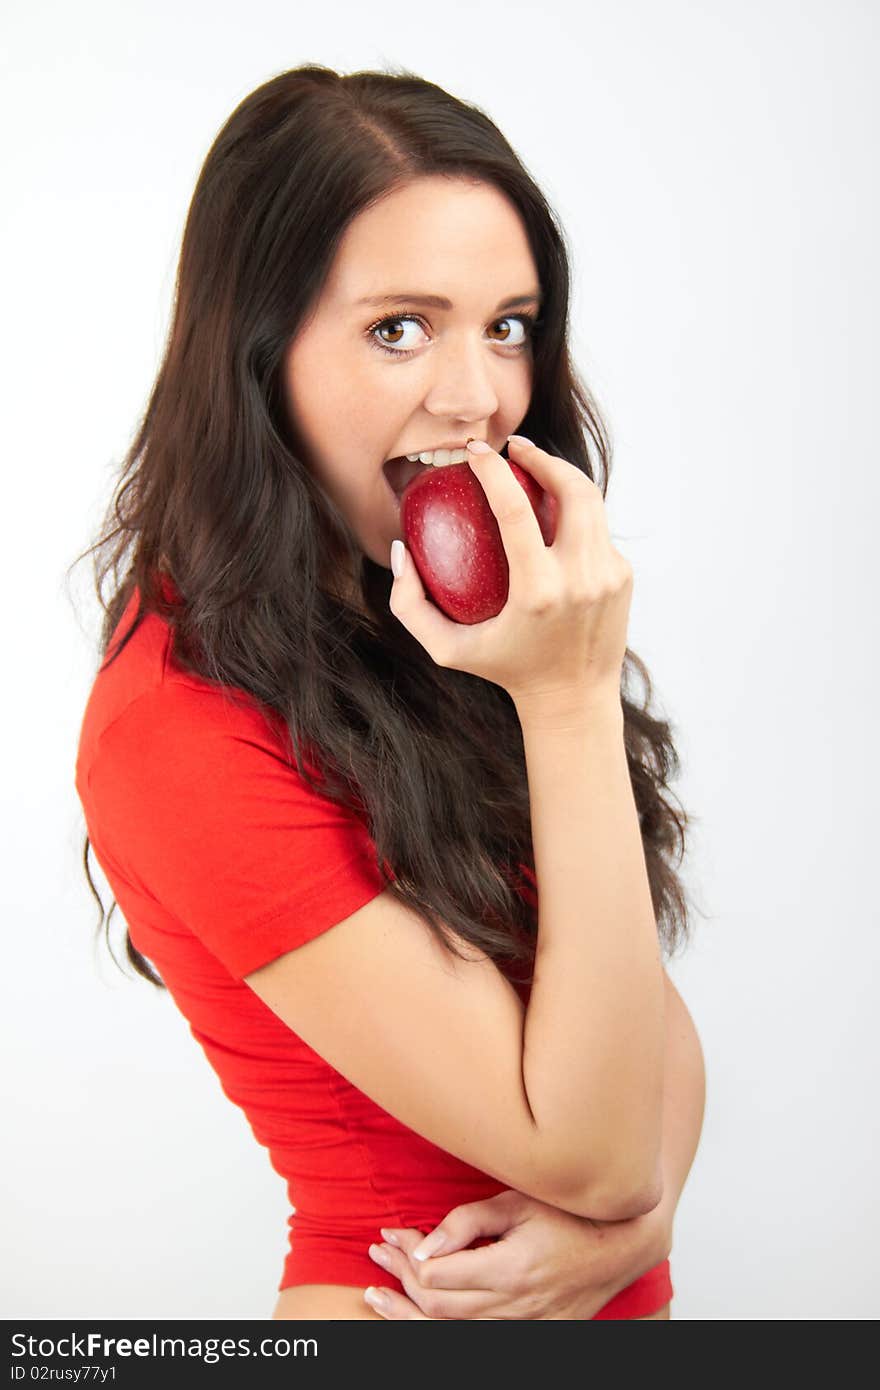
(520, 439)
(376, 1253)
(429, 1246)
(478, 446)
(376, 1299)
(388, 1236)
(397, 549)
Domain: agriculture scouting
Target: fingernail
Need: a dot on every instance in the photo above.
(389, 1236)
(430, 1245)
(376, 1299)
(376, 1253)
(397, 549)
(520, 439)
(478, 446)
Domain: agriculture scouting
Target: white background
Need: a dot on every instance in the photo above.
(714, 167)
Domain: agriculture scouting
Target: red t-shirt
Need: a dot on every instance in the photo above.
(221, 858)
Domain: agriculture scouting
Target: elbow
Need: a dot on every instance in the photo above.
(640, 1203)
(615, 1204)
(617, 1199)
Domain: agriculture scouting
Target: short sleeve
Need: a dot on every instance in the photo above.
(192, 799)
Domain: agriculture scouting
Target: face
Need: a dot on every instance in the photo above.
(366, 382)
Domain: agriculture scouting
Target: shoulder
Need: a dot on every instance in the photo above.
(141, 695)
(169, 763)
(211, 753)
(192, 798)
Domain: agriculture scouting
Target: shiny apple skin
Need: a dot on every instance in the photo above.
(451, 533)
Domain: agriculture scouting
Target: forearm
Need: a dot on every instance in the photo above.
(557, 1265)
(593, 1050)
(633, 1247)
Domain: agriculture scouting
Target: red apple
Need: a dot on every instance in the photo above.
(451, 533)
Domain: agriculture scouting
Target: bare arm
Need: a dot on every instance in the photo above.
(551, 1264)
(684, 1102)
(595, 1027)
(562, 1101)
(642, 1242)
(632, 1247)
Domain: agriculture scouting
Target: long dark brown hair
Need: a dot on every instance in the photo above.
(213, 489)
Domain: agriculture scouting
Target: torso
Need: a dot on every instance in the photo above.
(341, 1302)
(337, 1301)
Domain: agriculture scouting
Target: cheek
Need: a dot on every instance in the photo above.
(526, 382)
(321, 380)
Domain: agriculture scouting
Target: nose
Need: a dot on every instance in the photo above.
(462, 387)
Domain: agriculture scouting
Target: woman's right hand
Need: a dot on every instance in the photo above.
(547, 1263)
(561, 636)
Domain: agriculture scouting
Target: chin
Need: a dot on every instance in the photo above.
(379, 551)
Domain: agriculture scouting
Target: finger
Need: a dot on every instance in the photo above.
(449, 1304)
(463, 1272)
(406, 1240)
(492, 1216)
(391, 1259)
(567, 484)
(404, 1237)
(487, 1268)
(437, 1301)
(519, 527)
(393, 1306)
(442, 1305)
(396, 1307)
(427, 1285)
(395, 1260)
(411, 606)
(399, 1259)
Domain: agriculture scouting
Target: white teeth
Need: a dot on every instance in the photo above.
(440, 457)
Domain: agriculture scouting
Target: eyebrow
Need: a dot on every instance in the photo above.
(437, 301)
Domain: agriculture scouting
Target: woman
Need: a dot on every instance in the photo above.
(325, 809)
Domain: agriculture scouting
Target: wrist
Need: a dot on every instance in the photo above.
(570, 711)
(637, 1245)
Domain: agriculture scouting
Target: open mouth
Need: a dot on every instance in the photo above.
(401, 471)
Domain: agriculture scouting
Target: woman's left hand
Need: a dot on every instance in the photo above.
(547, 1263)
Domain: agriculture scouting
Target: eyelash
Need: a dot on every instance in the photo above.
(530, 322)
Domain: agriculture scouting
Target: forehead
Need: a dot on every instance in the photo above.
(445, 236)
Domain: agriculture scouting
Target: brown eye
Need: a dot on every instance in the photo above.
(383, 328)
(393, 322)
(526, 322)
(509, 321)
